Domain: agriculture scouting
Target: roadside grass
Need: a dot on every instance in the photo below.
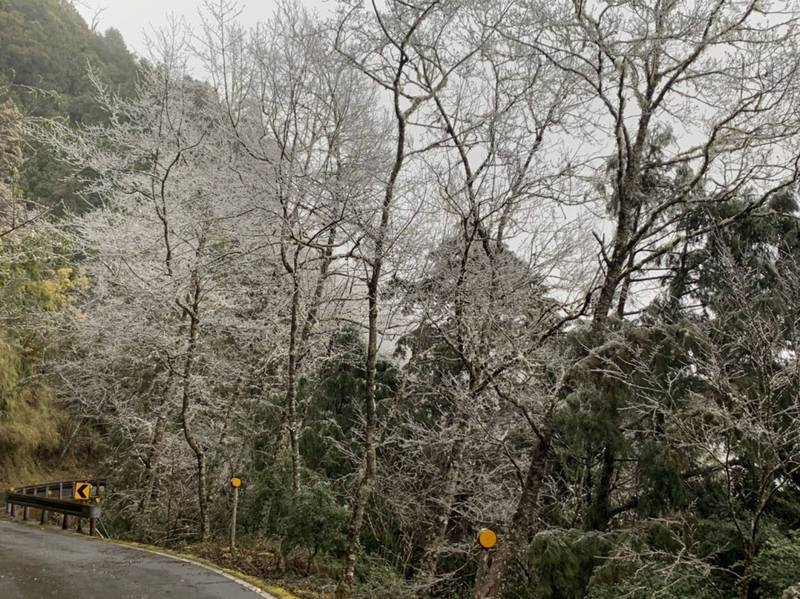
(259, 562)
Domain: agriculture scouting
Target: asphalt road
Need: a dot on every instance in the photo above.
(42, 563)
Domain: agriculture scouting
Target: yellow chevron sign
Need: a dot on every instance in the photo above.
(82, 491)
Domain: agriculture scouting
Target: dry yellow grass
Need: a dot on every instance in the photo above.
(30, 422)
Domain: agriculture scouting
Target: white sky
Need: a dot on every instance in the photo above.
(135, 17)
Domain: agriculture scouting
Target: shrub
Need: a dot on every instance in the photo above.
(777, 566)
(313, 520)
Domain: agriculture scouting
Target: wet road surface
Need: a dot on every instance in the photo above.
(39, 563)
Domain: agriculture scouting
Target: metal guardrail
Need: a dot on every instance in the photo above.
(58, 497)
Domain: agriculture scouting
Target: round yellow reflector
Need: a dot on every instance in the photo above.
(236, 483)
(487, 538)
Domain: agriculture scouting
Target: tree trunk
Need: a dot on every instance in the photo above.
(291, 390)
(628, 214)
(297, 346)
(450, 475)
(153, 459)
(597, 515)
(154, 453)
(599, 509)
(298, 340)
(319, 287)
(607, 291)
(191, 439)
(522, 523)
(344, 590)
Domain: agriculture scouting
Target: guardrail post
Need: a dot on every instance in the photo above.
(39, 498)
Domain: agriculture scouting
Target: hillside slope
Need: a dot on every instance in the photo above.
(46, 52)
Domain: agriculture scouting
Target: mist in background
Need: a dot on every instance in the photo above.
(135, 18)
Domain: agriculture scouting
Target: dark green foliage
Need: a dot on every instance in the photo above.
(655, 578)
(766, 242)
(601, 418)
(47, 182)
(660, 468)
(650, 561)
(565, 560)
(334, 394)
(315, 522)
(697, 360)
(777, 566)
(312, 520)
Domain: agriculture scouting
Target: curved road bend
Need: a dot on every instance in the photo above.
(42, 563)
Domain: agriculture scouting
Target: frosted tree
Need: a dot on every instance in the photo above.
(172, 250)
(308, 138)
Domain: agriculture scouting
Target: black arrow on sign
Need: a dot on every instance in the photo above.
(83, 491)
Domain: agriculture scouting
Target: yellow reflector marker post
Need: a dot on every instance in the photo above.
(487, 538)
(236, 482)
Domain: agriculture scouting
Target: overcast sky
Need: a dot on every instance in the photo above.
(134, 17)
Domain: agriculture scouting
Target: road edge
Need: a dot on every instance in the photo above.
(234, 577)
